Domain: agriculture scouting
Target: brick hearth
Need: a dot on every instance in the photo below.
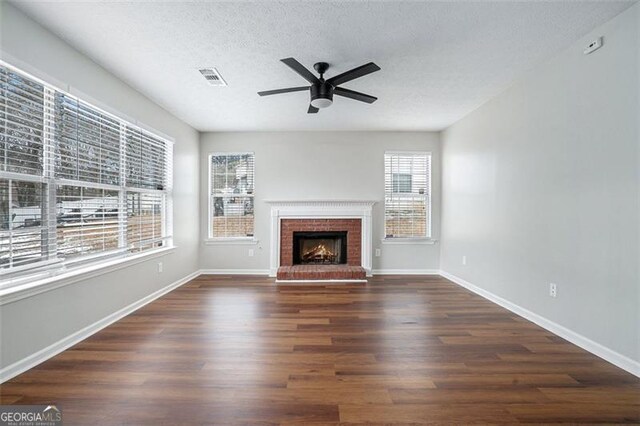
(321, 272)
(352, 270)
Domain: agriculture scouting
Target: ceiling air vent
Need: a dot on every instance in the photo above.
(213, 77)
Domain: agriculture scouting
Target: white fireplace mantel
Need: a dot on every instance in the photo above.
(321, 209)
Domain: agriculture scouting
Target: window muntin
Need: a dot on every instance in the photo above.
(231, 198)
(69, 177)
(407, 194)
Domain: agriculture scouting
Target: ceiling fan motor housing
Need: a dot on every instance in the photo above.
(321, 94)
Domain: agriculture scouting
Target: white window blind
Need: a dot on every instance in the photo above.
(146, 158)
(87, 143)
(145, 220)
(23, 234)
(21, 124)
(231, 199)
(87, 220)
(75, 182)
(407, 194)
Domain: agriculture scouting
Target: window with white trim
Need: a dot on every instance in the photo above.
(231, 195)
(407, 194)
(76, 183)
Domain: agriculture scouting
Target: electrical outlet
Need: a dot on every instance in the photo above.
(160, 267)
(464, 260)
(251, 252)
(553, 290)
(377, 252)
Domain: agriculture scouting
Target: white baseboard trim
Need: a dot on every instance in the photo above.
(585, 343)
(263, 272)
(54, 349)
(406, 272)
(319, 281)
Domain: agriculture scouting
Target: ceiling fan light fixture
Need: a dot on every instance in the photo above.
(321, 102)
(321, 94)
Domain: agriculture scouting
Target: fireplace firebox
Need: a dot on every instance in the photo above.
(320, 248)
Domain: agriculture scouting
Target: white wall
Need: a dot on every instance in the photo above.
(541, 185)
(31, 324)
(320, 166)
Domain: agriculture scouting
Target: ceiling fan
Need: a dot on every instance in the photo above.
(322, 90)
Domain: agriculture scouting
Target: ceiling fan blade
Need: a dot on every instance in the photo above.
(300, 69)
(353, 74)
(287, 90)
(312, 110)
(341, 91)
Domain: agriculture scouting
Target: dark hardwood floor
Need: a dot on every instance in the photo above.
(238, 350)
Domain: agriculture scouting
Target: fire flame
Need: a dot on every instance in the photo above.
(319, 252)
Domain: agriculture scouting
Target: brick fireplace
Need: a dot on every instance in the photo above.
(351, 226)
(321, 240)
(331, 268)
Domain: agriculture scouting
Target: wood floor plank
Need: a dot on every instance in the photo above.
(467, 396)
(426, 413)
(396, 350)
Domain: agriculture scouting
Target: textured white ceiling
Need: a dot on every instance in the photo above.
(439, 60)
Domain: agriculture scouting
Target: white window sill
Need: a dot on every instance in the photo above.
(421, 241)
(46, 281)
(229, 241)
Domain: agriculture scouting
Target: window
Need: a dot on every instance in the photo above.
(87, 143)
(76, 183)
(401, 182)
(231, 177)
(407, 188)
(21, 227)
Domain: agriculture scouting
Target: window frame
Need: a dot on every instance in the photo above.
(55, 268)
(210, 239)
(428, 237)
